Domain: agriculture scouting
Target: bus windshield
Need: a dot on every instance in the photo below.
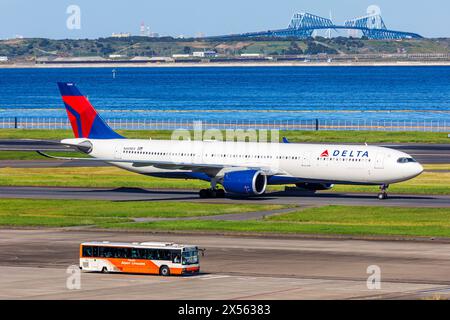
(190, 257)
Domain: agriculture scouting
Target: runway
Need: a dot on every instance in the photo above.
(134, 194)
(33, 265)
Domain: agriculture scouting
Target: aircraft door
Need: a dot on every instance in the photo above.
(118, 151)
(306, 159)
(379, 161)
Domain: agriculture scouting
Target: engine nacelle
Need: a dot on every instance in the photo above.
(314, 186)
(246, 182)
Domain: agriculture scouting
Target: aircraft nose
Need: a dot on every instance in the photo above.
(415, 170)
(419, 168)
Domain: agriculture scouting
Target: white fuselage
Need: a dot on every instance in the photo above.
(289, 162)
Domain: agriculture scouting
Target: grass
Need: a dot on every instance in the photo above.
(63, 213)
(331, 220)
(365, 136)
(90, 177)
(436, 182)
(426, 183)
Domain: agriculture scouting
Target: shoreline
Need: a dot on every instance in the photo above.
(226, 64)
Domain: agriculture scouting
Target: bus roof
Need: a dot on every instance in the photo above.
(166, 245)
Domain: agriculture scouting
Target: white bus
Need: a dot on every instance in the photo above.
(146, 257)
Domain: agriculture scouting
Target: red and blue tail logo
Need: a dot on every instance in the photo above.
(85, 121)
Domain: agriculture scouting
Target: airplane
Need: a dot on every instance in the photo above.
(242, 168)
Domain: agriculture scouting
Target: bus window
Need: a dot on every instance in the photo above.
(149, 254)
(123, 253)
(95, 251)
(87, 251)
(109, 252)
(163, 255)
(176, 256)
(105, 252)
(136, 253)
(190, 257)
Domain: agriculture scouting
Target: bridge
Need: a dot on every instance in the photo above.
(303, 25)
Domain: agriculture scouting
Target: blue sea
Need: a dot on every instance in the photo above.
(236, 93)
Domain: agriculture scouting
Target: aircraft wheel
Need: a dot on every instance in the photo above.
(204, 193)
(220, 193)
(382, 196)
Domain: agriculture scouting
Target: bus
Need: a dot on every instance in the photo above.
(147, 257)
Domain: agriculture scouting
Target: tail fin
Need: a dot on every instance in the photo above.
(85, 121)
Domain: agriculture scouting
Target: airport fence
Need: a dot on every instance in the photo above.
(52, 123)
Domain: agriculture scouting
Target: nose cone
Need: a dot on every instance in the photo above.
(414, 170)
(419, 169)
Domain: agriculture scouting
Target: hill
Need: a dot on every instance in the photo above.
(32, 48)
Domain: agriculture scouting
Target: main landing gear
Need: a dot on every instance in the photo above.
(212, 192)
(383, 192)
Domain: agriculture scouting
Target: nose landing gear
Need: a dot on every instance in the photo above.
(383, 195)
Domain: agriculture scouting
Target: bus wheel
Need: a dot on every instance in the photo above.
(104, 270)
(164, 271)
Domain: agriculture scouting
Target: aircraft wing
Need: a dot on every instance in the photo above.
(213, 169)
(35, 145)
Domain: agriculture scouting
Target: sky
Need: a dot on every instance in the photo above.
(100, 18)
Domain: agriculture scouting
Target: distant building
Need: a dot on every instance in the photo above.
(181, 55)
(144, 31)
(161, 59)
(121, 35)
(251, 55)
(151, 59)
(204, 54)
(3, 59)
(79, 59)
(116, 56)
(140, 59)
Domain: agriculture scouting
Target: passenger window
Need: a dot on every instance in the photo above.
(135, 253)
(150, 254)
(163, 255)
(176, 256)
(87, 251)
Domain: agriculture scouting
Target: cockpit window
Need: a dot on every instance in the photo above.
(406, 160)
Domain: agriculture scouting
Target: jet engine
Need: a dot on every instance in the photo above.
(245, 182)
